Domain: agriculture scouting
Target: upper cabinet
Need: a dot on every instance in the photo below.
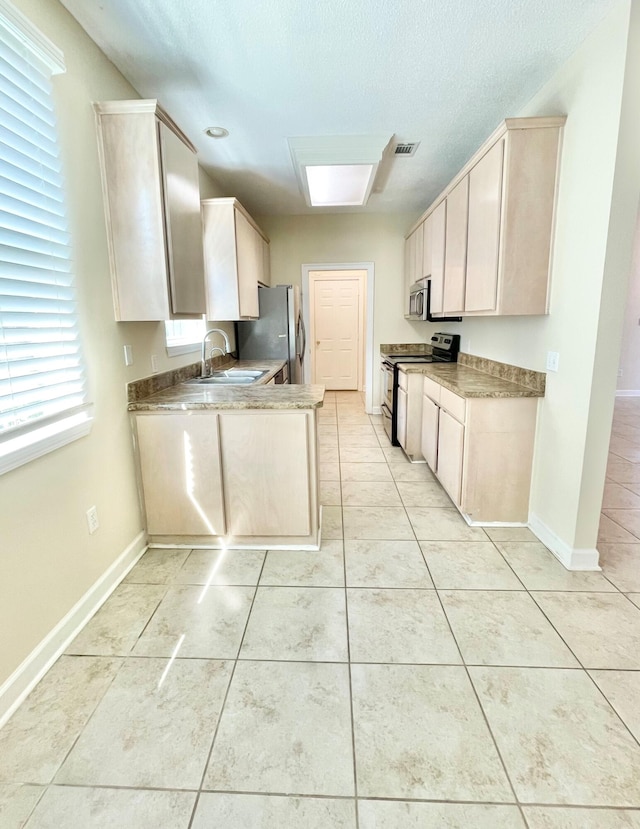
(152, 206)
(236, 259)
(491, 229)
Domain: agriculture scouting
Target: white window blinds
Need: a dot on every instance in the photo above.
(41, 371)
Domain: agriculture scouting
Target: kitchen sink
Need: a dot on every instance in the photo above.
(230, 377)
(223, 380)
(239, 372)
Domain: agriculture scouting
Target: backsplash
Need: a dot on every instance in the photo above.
(146, 386)
(522, 376)
(405, 348)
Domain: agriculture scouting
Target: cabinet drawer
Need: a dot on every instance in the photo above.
(453, 403)
(431, 389)
(403, 380)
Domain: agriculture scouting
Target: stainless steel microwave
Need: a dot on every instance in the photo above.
(418, 300)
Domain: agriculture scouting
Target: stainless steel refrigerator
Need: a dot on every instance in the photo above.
(279, 332)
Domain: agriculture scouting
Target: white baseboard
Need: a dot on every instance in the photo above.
(14, 690)
(571, 557)
(375, 410)
(628, 393)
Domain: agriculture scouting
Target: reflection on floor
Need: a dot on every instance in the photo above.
(415, 673)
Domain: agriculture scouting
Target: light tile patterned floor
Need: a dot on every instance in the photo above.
(414, 673)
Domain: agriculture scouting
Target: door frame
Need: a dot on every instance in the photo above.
(368, 321)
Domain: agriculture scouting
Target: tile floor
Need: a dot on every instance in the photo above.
(414, 673)
(619, 537)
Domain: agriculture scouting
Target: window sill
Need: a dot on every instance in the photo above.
(177, 350)
(17, 451)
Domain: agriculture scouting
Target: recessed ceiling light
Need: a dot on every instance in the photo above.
(337, 170)
(333, 185)
(216, 132)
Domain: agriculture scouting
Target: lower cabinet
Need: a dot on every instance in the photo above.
(450, 453)
(481, 451)
(401, 419)
(265, 471)
(409, 419)
(242, 475)
(181, 474)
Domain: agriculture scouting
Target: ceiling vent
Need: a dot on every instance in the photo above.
(406, 149)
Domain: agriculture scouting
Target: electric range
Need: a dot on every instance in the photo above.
(445, 348)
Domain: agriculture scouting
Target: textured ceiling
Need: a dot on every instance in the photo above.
(442, 72)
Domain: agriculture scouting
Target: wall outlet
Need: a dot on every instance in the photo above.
(154, 363)
(553, 358)
(128, 355)
(619, 372)
(92, 520)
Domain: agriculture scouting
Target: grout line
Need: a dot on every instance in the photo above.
(475, 693)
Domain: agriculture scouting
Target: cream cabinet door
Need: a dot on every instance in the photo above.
(266, 261)
(249, 254)
(183, 223)
(429, 443)
(437, 233)
(483, 242)
(455, 259)
(401, 419)
(426, 248)
(450, 454)
(180, 470)
(265, 467)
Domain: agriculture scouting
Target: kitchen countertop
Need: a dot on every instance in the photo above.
(468, 382)
(192, 396)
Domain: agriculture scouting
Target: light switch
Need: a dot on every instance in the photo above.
(128, 355)
(553, 358)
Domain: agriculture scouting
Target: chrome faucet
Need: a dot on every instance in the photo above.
(227, 346)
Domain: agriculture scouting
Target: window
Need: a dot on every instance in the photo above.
(43, 393)
(184, 336)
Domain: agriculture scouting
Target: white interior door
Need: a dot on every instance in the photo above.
(337, 311)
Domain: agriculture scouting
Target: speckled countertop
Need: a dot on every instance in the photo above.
(468, 382)
(185, 396)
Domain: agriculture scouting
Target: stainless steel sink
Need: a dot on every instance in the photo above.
(239, 372)
(231, 377)
(223, 381)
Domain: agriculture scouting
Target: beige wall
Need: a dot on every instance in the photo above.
(47, 558)
(344, 238)
(629, 368)
(589, 89)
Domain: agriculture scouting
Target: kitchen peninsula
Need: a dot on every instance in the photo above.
(230, 466)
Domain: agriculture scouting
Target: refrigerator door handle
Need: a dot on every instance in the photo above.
(304, 338)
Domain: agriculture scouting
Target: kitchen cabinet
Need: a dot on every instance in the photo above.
(429, 432)
(455, 255)
(437, 220)
(483, 241)
(450, 449)
(484, 451)
(236, 477)
(235, 260)
(180, 474)
(401, 420)
(152, 207)
(265, 462)
(409, 420)
(498, 214)
(413, 262)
